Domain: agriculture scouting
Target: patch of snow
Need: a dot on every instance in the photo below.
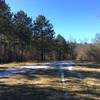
(36, 67)
(70, 68)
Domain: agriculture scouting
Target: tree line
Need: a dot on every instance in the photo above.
(24, 39)
(89, 51)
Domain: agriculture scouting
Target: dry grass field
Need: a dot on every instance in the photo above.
(14, 64)
(41, 84)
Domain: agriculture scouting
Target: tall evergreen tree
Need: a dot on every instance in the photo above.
(23, 31)
(5, 29)
(61, 47)
(43, 35)
(5, 18)
(23, 26)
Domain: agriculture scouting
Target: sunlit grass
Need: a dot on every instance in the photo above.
(16, 64)
(83, 68)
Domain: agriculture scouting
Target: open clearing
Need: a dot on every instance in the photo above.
(38, 84)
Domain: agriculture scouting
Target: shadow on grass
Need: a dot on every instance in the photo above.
(3, 67)
(78, 74)
(32, 92)
(83, 74)
(29, 92)
(49, 72)
(55, 73)
(97, 66)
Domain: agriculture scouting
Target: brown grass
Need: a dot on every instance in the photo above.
(47, 85)
(16, 64)
(89, 69)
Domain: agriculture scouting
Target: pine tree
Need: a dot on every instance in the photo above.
(61, 47)
(23, 31)
(43, 35)
(5, 30)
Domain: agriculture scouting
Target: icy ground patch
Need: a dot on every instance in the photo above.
(11, 71)
(44, 66)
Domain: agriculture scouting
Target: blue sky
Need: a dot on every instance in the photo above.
(73, 19)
